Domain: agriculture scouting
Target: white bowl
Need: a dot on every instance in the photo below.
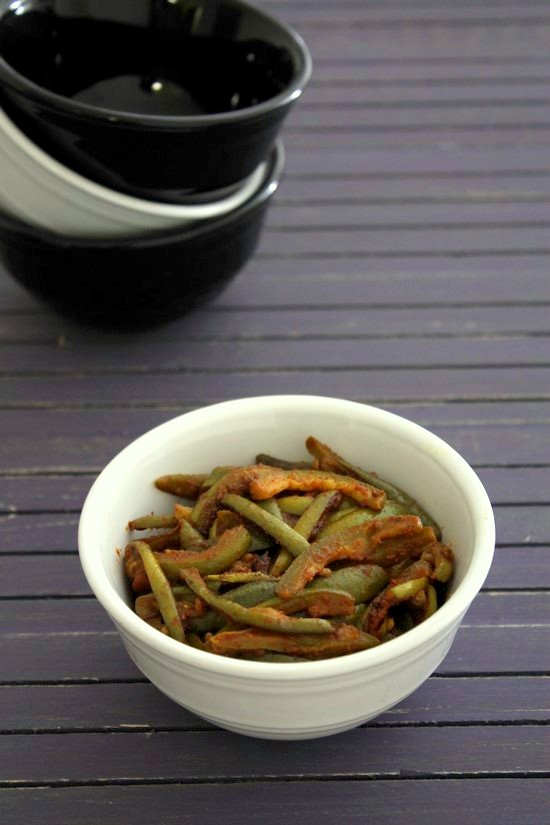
(285, 701)
(43, 192)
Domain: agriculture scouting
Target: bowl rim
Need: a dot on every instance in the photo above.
(410, 643)
(303, 69)
(270, 183)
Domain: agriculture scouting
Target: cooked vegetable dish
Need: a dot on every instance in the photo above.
(284, 561)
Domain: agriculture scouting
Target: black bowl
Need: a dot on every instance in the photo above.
(137, 282)
(161, 99)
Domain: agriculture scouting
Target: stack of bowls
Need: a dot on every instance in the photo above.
(139, 148)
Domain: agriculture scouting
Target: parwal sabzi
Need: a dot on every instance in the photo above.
(282, 561)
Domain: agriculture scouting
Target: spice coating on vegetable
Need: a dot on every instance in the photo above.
(268, 482)
(285, 561)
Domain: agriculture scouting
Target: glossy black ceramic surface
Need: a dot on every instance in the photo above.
(161, 99)
(140, 281)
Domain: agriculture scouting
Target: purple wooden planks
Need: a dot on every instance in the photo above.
(65, 657)
(502, 609)
(47, 575)
(49, 616)
(319, 282)
(412, 73)
(43, 493)
(520, 567)
(336, 216)
(439, 41)
(492, 273)
(331, 94)
(372, 242)
(528, 135)
(419, 116)
(517, 485)
(446, 161)
(214, 755)
(266, 324)
(520, 524)
(197, 356)
(421, 14)
(39, 533)
(374, 386)
(364, 189)
(508, 649)
(517, 800)
(74, 707)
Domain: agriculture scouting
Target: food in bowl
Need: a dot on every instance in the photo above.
(287, 562)
(314, 698)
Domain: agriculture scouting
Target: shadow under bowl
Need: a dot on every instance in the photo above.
(137, 282)
(160, 100)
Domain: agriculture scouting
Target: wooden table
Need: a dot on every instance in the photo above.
(405, 263)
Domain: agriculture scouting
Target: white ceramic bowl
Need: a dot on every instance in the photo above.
(305, 700)
(43, 192)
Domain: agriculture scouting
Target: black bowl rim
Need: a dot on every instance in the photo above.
(265, 191)
(41, 95)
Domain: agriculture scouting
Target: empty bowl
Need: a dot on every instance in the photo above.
(291, 700)
(136, 282)
(160, 99)
(43, 192)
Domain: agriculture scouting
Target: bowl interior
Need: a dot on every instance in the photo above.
(154, 58)
(233, 433)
